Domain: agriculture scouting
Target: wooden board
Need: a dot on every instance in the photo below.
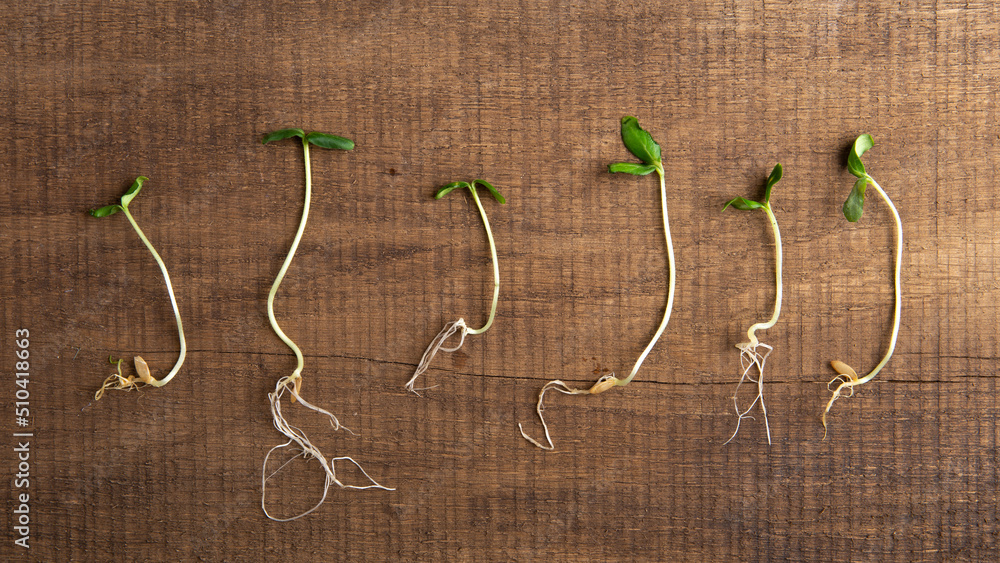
(529, 96)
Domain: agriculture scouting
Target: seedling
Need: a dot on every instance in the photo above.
(750, 356)
(143, 377)
(292, 384)
(641, 144)
(846, 376)
(459, 327)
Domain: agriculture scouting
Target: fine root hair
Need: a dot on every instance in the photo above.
(297, 439)
(436, 345)
(602, 385)
(752, 361)
(846, 377)
(119, 382)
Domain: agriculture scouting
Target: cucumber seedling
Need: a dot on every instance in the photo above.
(641, 144)
(460, 327)
(292, 384)
(753, 354)
(847, 378)
(143, 377)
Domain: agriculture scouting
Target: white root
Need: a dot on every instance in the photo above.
(750, 358)
(119, 382)
(437, 344)
(602, 385)
(297, 438)
(847, 377)
(116, 381)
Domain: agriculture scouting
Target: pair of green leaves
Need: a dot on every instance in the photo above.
(126, 199)
(322, 140)
(447, 188)
(853, 207)
(641, 144)
(744, 204)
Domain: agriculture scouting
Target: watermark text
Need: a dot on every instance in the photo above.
(23, 435)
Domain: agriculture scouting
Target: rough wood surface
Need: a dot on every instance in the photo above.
(527, 95)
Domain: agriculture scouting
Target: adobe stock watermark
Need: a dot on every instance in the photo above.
(23, 434)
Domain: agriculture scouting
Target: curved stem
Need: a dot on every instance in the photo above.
(670, 284)
(749, 356)
(777, 281)
(898, 293)
(459, 326)
(284, 268)
(849, 380)
(609, 381)
(173, 301)
(496, 268)
(291, 383)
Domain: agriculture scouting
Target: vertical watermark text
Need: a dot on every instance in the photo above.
(23, 435)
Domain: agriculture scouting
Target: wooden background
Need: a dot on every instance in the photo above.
(528, 95)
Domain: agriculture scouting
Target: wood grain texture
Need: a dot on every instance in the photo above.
(527, 95)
